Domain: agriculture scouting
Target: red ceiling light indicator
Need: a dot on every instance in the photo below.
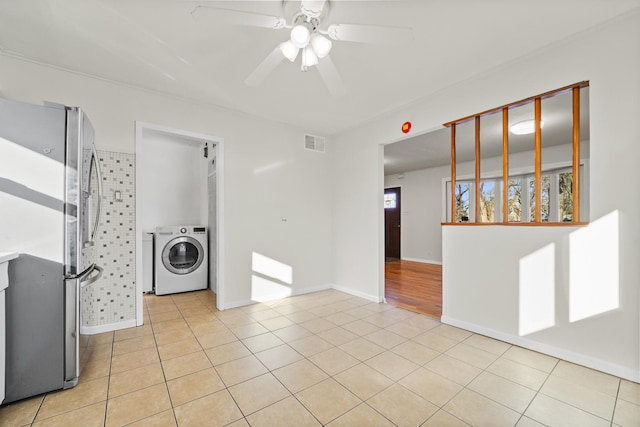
(406, 127)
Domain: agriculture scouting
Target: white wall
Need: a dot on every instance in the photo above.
(172, 182)
(269, 177)
(606, 56)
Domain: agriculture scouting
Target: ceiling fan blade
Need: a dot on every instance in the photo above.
(331, 77)
(265, 68)
(235, 17)
(370, 33)
(312, 8)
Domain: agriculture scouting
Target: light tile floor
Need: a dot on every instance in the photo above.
(326, 358)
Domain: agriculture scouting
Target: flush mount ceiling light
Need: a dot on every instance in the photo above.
(525, 127)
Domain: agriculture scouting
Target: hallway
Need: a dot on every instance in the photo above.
(414, 286)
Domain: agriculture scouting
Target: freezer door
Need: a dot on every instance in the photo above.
(73, 350)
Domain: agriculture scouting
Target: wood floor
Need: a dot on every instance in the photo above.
(415, 286)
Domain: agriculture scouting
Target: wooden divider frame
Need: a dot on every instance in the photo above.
(537, 100)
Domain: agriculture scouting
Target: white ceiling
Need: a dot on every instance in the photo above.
(159, 46)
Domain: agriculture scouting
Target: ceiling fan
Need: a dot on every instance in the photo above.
(308, 38)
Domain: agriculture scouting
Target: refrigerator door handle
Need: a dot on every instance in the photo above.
(90, 278)
(99, 214)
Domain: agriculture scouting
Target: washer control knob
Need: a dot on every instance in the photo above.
(183, 230)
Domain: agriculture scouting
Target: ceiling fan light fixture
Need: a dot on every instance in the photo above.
(525, 127)
(309, 58)
(321, 45)
(289, 50)
(300, 35)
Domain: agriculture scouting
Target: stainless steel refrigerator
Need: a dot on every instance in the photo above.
(50, 203)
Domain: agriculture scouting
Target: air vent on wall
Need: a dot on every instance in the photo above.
(315, 143)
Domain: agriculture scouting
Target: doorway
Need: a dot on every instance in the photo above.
(166, 192)
(392, 223)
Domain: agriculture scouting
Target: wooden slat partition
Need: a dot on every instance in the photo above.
(453, 173)
(505, 164)
(477, 210)
(538, 161)
(576, 155)
(576, 220)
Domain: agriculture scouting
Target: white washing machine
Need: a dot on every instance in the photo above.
(181, 259)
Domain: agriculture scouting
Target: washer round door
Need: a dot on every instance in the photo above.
(182, 255)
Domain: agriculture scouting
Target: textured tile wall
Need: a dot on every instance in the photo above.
(112, 299)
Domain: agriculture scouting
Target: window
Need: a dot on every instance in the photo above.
(533, 175)
(389, 200)
(556, 200)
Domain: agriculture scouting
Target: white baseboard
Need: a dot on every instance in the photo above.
(424, 261)
(98, 329)
(570, 356)
(368, 297)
